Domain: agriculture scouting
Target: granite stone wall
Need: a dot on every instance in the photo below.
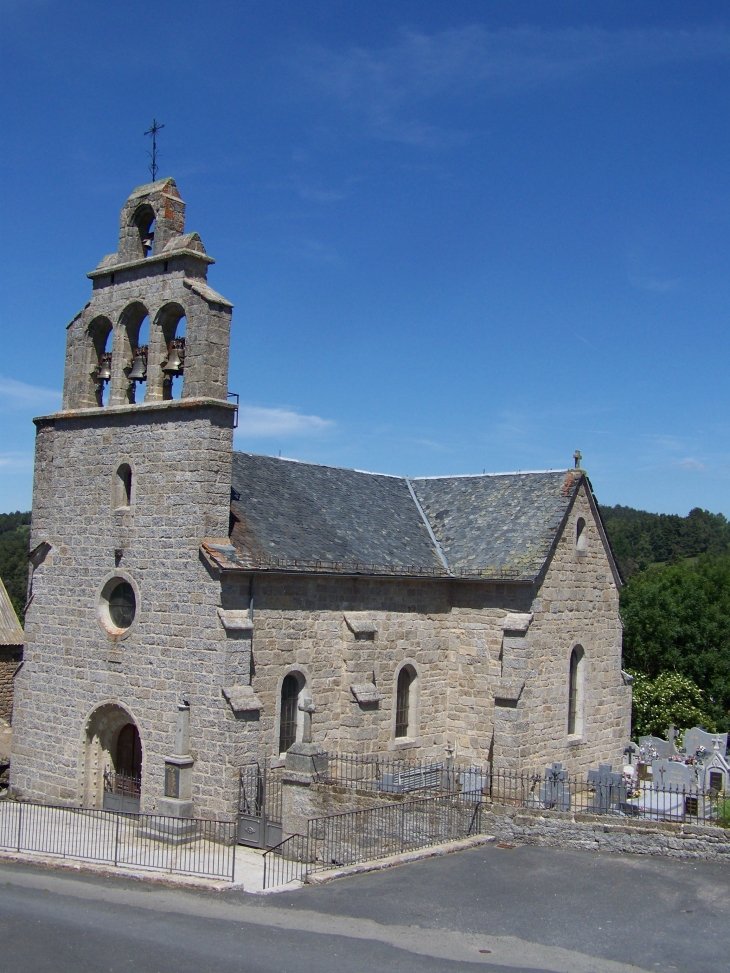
(10, 659)
(453, 634)
(177, 647)
(596, 833)
(576, 604)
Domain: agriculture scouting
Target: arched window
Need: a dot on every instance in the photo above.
(403, 702)
(575, 692)
(581, 536)
(122, 489)
(289, 714)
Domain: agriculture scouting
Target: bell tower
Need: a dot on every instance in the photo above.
(158, 274)
(131, 475)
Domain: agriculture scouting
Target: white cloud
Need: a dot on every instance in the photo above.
(384, 85)
(693, 464)
(19, 395)
(259, 422)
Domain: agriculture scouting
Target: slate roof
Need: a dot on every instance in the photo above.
(11, 632)
(306, 513)
(489, 524)
(303, 517)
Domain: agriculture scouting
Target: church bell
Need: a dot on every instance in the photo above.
(105, 369)
(174, 363)
(138, 371)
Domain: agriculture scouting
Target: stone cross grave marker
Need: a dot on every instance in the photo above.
(555, 789)
(610, 788)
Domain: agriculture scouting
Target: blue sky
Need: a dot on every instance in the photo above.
(458, 236)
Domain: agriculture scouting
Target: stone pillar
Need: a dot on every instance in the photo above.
(177, 804)
(178, 799)
(511, 709)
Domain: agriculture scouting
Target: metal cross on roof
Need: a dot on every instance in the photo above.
(152, 131)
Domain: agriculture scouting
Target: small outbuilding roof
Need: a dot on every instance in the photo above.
(11, 632)
(305, 517)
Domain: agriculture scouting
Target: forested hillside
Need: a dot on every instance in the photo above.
(639, 538)
(14, 533)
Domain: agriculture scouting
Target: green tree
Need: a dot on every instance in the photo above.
(639, 538)
(669, 699)
(677, 620)
(14, 535)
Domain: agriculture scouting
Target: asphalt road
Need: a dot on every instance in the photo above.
(491, 908)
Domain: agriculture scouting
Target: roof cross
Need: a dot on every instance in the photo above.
(152, 131)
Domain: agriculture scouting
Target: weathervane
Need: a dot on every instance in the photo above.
(153, 130)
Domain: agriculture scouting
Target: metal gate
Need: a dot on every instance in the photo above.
(121, 793)
(259, 806)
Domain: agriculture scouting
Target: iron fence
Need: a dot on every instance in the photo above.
(377, 832)
(186, 846)
(410, 824)
(398, 775)
(600, 791)
(605, 792)
(286, 862)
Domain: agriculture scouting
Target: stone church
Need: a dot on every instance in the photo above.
(194, 609)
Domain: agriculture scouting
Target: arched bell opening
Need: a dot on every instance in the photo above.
(167, 354)
(130, 355)
(112, 758)
(99, 360)
(144, 220)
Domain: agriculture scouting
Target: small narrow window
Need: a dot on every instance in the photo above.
(581, 538)
(288, 717)
(575, 692)
(123, 487)
(403, 701)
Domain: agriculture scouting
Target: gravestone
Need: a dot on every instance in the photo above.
(663, 748)
(610, 788)
(673, 775)
(696, 738)
(555, 789)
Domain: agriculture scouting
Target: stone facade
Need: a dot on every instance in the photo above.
(453, 634)
(127, 496)
(10, 659)
(82, 680)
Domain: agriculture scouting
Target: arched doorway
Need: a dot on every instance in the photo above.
(128, 759)
(112, 760)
